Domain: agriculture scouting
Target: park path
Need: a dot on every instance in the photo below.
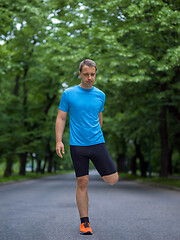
(45, 209)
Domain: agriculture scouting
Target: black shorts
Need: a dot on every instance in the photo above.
(98, 154)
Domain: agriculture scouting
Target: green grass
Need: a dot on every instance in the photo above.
(30, 175)
(174, 182)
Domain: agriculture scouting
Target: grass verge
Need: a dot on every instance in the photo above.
(169, 182)
(30, 175)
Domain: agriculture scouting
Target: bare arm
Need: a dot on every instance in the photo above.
(60, 125)
(101, 119)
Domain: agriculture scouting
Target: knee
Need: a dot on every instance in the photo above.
(111, 179)
(114, 180)
(82, 182)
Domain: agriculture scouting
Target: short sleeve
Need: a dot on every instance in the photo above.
(64, 105)
(103, 102)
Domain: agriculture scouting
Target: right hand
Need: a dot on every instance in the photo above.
(60, 149)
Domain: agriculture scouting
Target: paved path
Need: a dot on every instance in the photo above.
(45, 209)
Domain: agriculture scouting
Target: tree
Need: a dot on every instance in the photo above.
(135, 46)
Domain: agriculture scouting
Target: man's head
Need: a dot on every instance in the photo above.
(87, 62)
(87, 72)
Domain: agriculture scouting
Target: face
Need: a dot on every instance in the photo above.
(88, 75)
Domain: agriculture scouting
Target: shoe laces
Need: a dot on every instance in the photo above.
(86, 224)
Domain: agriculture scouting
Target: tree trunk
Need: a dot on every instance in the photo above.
(32, 163)
(8, 170)
(50, 162)
(121, 157)
(143, 164)
(121, 162)
(9, 160)
(44, 166)
(170, 162)
(55, 166)
(16, 86)
(38, 169)
(164, 142)
(133, 165)
(22, 170)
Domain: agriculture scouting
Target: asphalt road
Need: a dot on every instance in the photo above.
(45, 209)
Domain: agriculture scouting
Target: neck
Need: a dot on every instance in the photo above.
(85, 86)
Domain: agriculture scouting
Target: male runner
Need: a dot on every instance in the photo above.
(85, 104)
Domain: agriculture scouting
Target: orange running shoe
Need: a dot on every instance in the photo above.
(85, 229)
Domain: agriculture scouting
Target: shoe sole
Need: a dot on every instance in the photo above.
(86, 233)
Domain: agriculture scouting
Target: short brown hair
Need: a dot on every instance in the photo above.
(87, 62)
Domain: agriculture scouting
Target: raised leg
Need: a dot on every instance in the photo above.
(111, 179)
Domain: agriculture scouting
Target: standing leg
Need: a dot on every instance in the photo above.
(82, 195)
(82, 203)
(80, 158)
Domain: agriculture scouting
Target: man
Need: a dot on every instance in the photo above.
(85, 104)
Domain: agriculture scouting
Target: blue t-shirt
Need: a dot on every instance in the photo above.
(84, 106)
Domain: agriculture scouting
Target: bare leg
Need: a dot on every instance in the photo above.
(111, 179)
(82, 196)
